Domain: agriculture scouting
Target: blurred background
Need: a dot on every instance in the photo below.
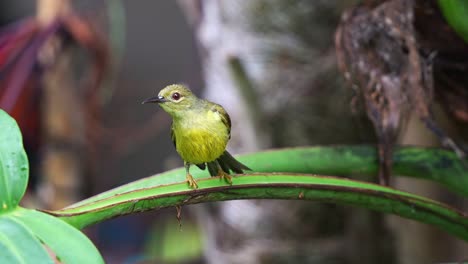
(73, 74)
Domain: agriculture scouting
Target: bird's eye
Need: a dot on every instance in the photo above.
(176, 96)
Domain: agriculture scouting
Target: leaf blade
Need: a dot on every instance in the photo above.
(68, 243)
(423, 163)
(14, 168)
(456, 14)
(273, 186)
(19, 243)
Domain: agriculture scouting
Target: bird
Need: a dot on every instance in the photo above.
(200, 132)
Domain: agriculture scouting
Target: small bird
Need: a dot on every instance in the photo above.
(200, 132)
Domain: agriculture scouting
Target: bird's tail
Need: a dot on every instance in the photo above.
(227, 163)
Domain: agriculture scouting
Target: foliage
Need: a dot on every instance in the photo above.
(173, 243)
(26, 235)
(456, 14)
(131, 199)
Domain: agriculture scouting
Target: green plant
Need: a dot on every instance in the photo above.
(25, 234)
(456, 14)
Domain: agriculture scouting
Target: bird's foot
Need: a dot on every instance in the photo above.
(191, 181)
(225, 176)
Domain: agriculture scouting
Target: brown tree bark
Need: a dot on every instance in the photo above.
(62, 118)
(401, 56)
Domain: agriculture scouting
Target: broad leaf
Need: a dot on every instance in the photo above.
(65, 241)
(29, 236)
(18, 244)
(13, 164)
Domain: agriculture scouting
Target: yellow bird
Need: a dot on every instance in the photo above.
(200, 132)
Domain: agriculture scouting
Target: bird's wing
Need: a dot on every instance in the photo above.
(224, 117)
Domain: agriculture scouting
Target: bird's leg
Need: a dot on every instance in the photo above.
(224, 175)
(190, 180)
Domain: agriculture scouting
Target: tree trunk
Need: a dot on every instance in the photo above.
(62, 118)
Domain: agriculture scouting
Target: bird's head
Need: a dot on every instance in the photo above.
(174, 99)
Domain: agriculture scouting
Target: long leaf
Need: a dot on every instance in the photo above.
(433, 164)
(456, 14)
(273, 186)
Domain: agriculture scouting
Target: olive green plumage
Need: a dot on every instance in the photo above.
(200, 132)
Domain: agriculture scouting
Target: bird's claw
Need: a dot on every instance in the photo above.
(225, 176)
(191, 181)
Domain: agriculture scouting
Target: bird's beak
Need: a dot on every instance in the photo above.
(156, 99)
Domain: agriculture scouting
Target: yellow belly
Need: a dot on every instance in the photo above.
(200, 137)
(199, 145)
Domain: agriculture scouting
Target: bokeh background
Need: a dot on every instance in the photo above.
(271, 64)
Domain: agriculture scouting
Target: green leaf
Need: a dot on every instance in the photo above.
(26, 234)
(69, 244)
(456, 14)
(18, 244)
(171, 243)
(29, 236)
(271, 186)
(439, 165)
(13, 164)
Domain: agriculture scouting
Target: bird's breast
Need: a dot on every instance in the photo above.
(200, 141)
